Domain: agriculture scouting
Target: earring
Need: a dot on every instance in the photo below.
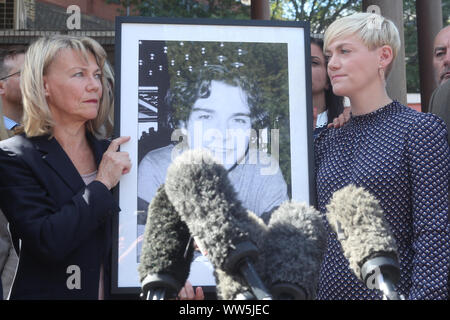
(381, 72)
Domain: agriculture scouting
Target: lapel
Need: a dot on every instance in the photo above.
(53, 154)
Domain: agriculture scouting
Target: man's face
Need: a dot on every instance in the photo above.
(441, 56)
(221, 123)
(10, 87)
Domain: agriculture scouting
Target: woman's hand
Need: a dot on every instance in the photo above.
(342, 119)
(114, 164)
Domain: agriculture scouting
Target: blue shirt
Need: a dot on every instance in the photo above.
(402, 157)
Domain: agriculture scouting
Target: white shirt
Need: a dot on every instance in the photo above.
(322, 119)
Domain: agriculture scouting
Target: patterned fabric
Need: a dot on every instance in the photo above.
(401, 157)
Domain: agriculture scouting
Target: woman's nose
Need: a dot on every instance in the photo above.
(333, 63)
(94, 84)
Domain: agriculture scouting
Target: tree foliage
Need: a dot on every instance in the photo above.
(411, 51)
(320, 13)
(187, 8)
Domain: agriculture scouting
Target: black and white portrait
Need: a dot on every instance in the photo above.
(233, 98)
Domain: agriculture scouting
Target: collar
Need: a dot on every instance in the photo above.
(322, 119)
(57, 159)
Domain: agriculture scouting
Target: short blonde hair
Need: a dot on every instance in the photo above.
(374, 31)
(37, 119)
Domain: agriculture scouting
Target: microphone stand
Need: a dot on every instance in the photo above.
(255, 283)
(159, 287)
(385, 272)
(240, 259)
(156, 294)
(388, 289)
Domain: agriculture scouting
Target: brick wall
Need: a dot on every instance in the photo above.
(97, 8)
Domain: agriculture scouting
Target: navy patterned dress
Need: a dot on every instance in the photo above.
(402, 157)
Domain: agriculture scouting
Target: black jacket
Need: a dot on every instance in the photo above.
(61, 227)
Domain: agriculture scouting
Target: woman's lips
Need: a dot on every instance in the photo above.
(337, 76)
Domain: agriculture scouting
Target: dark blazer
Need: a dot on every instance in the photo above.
(58, 224)
(440, 104)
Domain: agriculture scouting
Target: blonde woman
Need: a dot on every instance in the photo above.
(399, 155)
(56, 177)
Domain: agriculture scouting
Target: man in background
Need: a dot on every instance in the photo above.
(11, 63)
(440, 99)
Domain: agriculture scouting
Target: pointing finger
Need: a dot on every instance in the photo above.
(114, 146)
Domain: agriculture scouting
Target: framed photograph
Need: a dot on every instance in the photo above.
(241, 89)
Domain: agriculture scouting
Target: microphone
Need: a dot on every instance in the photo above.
(366, 239)
(232, 287)
(293, 250)
(167, 251)
(199, 189)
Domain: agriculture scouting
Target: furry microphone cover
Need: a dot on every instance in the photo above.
(165, 240)
(201, 192)
(199, 189)
(357, 218)
(232, 287)
(294, 247)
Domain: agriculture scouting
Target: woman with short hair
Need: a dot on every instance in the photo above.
(399, 155)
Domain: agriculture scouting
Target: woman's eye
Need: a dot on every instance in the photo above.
(78, 74)
(98, 75)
